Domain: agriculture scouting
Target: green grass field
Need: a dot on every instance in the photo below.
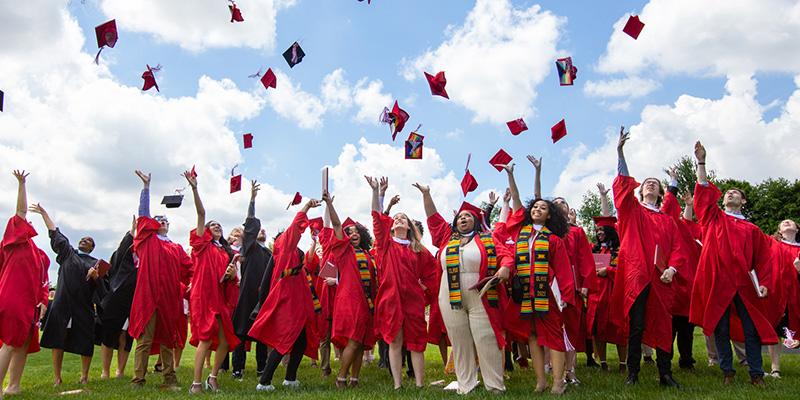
(702, 383)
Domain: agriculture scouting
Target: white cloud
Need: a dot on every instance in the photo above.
(631, 87)
(717, 37)
(370, 100)
(740, 143)
(199, 24)
(291, 102)
(495, 60)
(336, 91)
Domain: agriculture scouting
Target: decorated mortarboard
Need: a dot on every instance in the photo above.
(396, 119)
(414, 146)
(173, 200)
(150, 78)
(566, 71)
(236, 13)
(248, 140)
(315, 225)
(2, 95)
(558, 131)
(295, 200)
(517, 126)
(499, 159)
(107, 36)
(468, 182)
(604, 221)
(294, 54)
(437, 84)
(633, 27)
(236, 180)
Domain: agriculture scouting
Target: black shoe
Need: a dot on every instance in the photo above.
(668, 381)
(591, 363)
(632, 379)
(649, 360)
(238, 375)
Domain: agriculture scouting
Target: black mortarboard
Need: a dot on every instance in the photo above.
(294, 54)
(172, 201)
(1, 100)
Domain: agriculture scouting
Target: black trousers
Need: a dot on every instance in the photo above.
(683, 330)
(637, 318)
(383, 353)
(295, 356)
(240, 356)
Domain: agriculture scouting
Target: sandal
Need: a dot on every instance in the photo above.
(353, 382)
(341, 383)
(212, 385)
(196, 388)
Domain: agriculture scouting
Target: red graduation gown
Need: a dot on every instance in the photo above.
(327, 294)
(352, 319)
(24, 284)
(163, 266)
(436, 328)
(786, 283)
(400, 303)
(549, 328)
(289, 307)
(641, 230)
(579, 250)
(731, 248)
(441, 232)
(599, 310)
(688, 234)
(208, 299)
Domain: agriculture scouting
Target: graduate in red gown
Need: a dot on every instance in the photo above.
(213, 288)
(785, 308)
(545, 284)
(24, 289)
(287, 319)
(353, 313)
(406, 269)
(731, 276)
(650, 256)
(157, 308)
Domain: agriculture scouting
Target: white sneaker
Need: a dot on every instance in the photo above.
(264, 388)
(292, 384)
(775, 374)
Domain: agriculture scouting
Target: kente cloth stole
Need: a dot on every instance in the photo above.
(541, 248)
(314, 297)
(491, 258)
(453, 265)
(362, 259)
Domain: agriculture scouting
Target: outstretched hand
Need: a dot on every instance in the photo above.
(493, 198)
(312, 203)
(507, 196)
(394, 200)
(254, 188)
(145, 178)
(326, 198)
(190, 178)
(687, 198)
(20, 175)
(508, 167)
(602, 189)
(373, 182)
(623, 137)
(673, 174)
(537, 162)
(422, 189)
(383, 185)
(37, 209)
(699, 152)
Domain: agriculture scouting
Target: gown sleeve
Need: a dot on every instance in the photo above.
(440, 230)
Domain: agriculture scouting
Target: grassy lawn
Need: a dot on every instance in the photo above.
(703, 382)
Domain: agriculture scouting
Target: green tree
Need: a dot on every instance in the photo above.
(590, 208)
(687, 175)
(773, 201)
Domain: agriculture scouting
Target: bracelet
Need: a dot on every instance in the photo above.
(701, 163)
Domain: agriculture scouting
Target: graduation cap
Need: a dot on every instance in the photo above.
(517, 126)
(295, 200)
(269, 80)
(468, 183)
(150, 78)
(414, 146)
(475, 211)
(633, 27)
(173, 200)
(236, 180)
(107, 35)
(604, 221)
(236, 13)
(294, 54)
(558, 131)
(194, 172)
(501, 158)
(248, 140)
(315, 225)
(437, 84)
(348, 222)
(368, 1)
(396, 118)
(566, 71)
(1, 100)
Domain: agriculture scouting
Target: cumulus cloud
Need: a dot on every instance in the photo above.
(366, 95)
(632, 87)
(740, 142)
(495, 60)
(199, 24)
(290, 101)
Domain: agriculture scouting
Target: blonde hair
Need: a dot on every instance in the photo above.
(412, 234)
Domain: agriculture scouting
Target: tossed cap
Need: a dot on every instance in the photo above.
(172, 201)
(566, 71)
(468, 183)
(236, 13)
(236, 183)
(558, 131)
(500, 158)
(150, 78)
(517, 126)
(294, 55)
(248, 140)
(295, 200)
(633, 27)
(437, 84)
(269, 80)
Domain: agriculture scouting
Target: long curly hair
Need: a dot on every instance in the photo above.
(556, 220)
(365, 243)
(611, 241)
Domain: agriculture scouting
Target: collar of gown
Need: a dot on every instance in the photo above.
(650, 207)
(404, 242)
(735, 214)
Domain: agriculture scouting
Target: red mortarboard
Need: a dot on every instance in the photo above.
(269, 80)
(315, 224)
(348, 222)
(437, 84)
(236, 183)
(1, 100)
(517, 126)
(566, 71)
(150, 78)
(106, 36)
(604, 221)
(558, 131)
(468, 183)
(248, 140)
(475, 211)
(295, 200)
(633, 27)
(193, 172)
(398, 118)
(294, 54)
(501, 158)
(236, 13)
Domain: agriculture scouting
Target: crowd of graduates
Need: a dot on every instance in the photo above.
(528, 286)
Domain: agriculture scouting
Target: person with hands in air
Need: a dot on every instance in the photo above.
(470, 259)
(70, 323)
(732, 272)
(24, 290)
(213, 283)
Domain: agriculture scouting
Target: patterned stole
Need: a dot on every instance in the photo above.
(491, 258)
(453, 265)
(541, 247)
(296, 271)
(362, 259)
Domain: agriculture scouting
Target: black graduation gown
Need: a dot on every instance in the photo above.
(73, 301)
(256, 262)
(116, 304)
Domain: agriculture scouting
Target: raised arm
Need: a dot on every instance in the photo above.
(537, 180)
(394, 200)
(38, 209)
(622, 166)
(383, 184)
(251, 208)
(427, 200)
(330, 212)
(144, 196)
(688, 202)
(22, 194)
(605, 209)
(373, 183)
(700, 155)
(198, 204)
(516, 201)
(505, 209)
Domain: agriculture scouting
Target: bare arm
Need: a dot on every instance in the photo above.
(688, 201)
(330, 211)
(373, 183)
(38, 209)
(622, 165)
(251, 208)
(427, 200)
(537, 180)
(605, 208)
(700, 155)
(394, 200)
(198, 204)
(516, 201)
(22, 194)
